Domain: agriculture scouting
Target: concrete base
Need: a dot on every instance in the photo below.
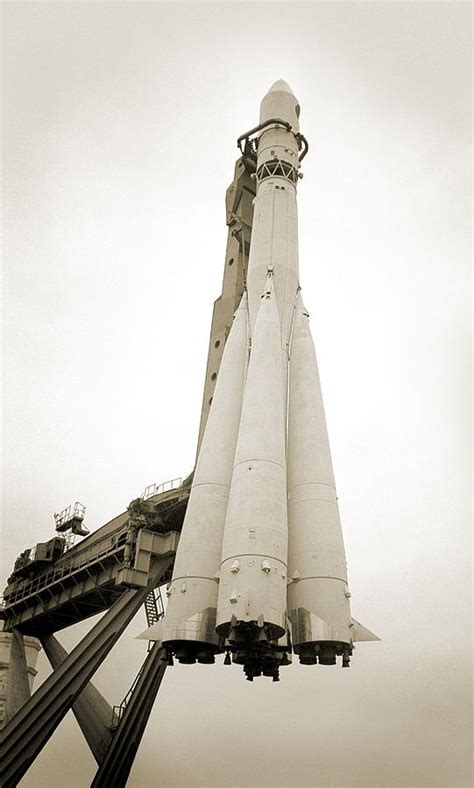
(18, 657)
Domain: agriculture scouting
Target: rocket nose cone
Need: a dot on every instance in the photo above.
(280, 102)
(280, 86)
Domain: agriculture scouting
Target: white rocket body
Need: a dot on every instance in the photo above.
(274, 242)
(318, 596)
(253, 577)
(261, 544)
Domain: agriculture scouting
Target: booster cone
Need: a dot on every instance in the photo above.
(189, 627)
(252, 588)
(318, 596)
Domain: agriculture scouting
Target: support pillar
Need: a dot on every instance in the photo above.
(90, 709)
(18, 686)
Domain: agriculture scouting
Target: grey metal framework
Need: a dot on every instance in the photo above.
(115, 571)
(30, 728)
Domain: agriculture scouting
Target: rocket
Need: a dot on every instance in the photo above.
(260, 571)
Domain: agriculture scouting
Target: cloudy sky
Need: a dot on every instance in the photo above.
(119, 139)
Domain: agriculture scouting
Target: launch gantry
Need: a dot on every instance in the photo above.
(115, 571)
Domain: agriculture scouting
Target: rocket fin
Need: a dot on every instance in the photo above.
(360, 633)
(152, 633)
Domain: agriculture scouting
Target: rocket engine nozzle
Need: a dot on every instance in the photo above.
(259, 654)
(325, 653)
(187, 652)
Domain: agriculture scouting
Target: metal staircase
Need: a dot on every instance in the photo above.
(154, 610)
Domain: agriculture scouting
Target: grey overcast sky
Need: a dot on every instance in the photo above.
(119, 139)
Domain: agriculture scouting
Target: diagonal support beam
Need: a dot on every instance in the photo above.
(91, 710)
(26, 734)
(114, 770)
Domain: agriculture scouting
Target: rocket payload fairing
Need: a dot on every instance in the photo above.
(260, 570)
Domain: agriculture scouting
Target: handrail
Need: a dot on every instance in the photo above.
(260, 127)
(302, 141)
(156, 489)
(88, 552)
(88, 555)
(118, 710)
